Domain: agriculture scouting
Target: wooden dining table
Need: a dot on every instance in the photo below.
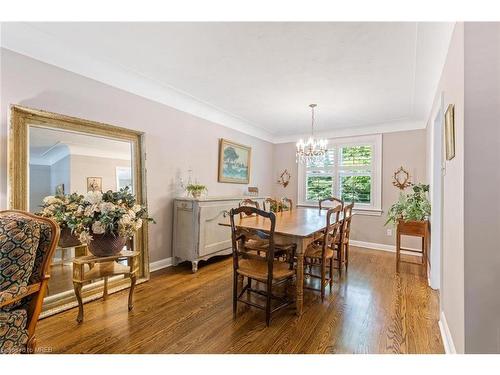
(299, 225)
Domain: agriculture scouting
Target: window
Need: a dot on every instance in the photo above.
(350, 171)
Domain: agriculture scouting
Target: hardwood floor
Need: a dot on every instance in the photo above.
(371, 310)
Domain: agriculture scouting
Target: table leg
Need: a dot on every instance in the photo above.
(105, 289)
(300, 276)
(131, 292)
(78, 293)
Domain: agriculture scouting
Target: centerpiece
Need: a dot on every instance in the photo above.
(103, 221)
(63, 210)
(196, 189)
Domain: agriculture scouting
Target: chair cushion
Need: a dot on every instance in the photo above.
(315, 250)
(257, 269)
(19, 239)
(13, 332)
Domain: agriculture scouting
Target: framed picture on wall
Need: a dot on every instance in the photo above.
(234, 162)
(94, 183)
(449, 132)
(60, 190)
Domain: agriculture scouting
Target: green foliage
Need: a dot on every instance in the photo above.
(195, 188)
(357, 155)
(319, 187)
(356, 189)
(412, 206)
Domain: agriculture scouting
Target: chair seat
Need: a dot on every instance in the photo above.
(257, 269)
(13, 332)
(315, 250)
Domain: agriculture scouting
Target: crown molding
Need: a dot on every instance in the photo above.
(390, 127)
(27, 40)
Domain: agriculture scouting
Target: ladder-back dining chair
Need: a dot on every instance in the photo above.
(286, 204)
(319, 254)
(264, 269)
(333, 200)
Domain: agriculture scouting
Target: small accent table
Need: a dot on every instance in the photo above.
(417, 229)
(104, 267)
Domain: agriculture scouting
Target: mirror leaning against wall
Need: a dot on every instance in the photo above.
(60, 161)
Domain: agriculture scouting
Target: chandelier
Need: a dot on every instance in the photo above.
(312, 150)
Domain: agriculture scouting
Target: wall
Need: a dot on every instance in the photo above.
(90, 166)
(175, 140)
(482, 179)
(40, 186)
(60, 173)
(405, 148)
(451, 89)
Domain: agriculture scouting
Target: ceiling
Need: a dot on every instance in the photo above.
(259, 77)
(47, 146)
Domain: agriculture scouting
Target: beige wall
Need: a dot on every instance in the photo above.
(83, 166)
(482, 181)
(175, 140)
(451, 86)
(405, 149)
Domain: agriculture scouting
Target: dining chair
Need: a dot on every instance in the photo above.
(266, 270)
(345, 233)
(254, 240)
(286, 204)
(27, 245)
(320, 253)
(331, 199)
(272, 205)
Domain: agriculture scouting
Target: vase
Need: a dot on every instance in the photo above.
(196, 194)
(105, 245)
(68, 239)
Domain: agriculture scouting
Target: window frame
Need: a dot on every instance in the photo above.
(375, 207)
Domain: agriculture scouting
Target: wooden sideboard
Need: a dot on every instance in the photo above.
(197, 234)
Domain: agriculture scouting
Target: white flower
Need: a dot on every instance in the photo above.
(50, 200)
(136, 208)
(107, 207)
(89, 210)
(125, 220)
(85, 237)
(138, 224)
(93, 197)
(98, 228)
(131, 213)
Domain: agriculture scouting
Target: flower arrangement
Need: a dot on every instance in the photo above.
(196, 189)
(97, 213)
(414, 206)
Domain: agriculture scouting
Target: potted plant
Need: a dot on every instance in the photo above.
(196, 189)
(63, 210)
(413, 207)
(104, 221)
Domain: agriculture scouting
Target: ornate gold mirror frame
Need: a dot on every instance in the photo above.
(22, 118)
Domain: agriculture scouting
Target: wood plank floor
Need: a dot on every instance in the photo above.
(371, 310)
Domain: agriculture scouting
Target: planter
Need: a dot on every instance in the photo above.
(105, 245)
(413, 227)
(196, 194)
(67, 239)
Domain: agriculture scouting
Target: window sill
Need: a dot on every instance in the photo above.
(357, 211)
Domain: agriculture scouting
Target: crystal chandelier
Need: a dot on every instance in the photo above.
(312, 150)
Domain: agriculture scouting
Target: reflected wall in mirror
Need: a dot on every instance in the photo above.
(53, 155)
(68, 162)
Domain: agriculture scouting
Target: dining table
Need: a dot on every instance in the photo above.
(300, 225)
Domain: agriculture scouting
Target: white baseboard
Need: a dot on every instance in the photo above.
(160, 264)
(381, 246)
(449, 346)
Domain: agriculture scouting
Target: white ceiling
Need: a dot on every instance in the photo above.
(259, 77)
(47, 146)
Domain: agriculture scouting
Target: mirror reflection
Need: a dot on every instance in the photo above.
(63, 162)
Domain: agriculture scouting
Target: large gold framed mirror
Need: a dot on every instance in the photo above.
(51, 154)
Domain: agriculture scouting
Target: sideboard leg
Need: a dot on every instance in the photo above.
(194, 266)
(78, 293)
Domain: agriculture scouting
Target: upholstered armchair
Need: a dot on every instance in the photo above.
(27, 244)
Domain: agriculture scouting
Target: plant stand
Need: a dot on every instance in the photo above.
(416, 229)
(104, 267)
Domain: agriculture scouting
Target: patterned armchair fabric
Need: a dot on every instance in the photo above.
(25, 244)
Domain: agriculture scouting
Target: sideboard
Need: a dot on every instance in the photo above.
(197, 234)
